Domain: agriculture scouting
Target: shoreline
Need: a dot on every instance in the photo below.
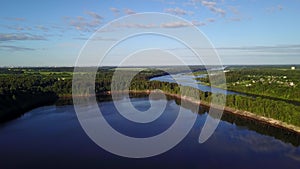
(245, 114)
(228, 110)
(18, 109)
(232, 111)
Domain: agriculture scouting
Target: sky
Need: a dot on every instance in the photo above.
(54, 33)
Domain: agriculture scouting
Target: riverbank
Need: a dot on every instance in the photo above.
(240, 113)
(19, 110)
(229, 110)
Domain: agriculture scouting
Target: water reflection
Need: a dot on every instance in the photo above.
(242, 123)
(52, 133)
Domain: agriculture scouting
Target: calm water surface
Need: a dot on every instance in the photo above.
(188, 80)
(51, 137)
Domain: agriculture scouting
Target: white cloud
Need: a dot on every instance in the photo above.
(129, 11)
(96, 39)
(176, 24)
(177, 11)
(94, 15)
(211, 5)
(210, 20)
(208, 3)
(42, 28)
(134, 25)
(82, 24)
(218, 10)
(114, 10)
(19, 37)
(197, 23)
(15, 48)
(17, 27)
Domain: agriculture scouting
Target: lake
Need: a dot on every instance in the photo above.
(51, 137)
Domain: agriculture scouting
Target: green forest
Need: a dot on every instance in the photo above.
(24, 89)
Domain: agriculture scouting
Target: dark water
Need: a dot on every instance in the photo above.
(51, 137)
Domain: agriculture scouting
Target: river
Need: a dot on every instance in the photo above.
(51, 137)
(187, 79)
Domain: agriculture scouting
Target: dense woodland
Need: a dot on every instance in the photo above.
(24, 89)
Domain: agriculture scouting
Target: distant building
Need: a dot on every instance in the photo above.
(293, 67)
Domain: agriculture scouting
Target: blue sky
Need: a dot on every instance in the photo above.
(52, 33)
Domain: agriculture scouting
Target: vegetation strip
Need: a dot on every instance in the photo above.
(20, 87)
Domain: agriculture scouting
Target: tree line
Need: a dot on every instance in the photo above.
(23, 91)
